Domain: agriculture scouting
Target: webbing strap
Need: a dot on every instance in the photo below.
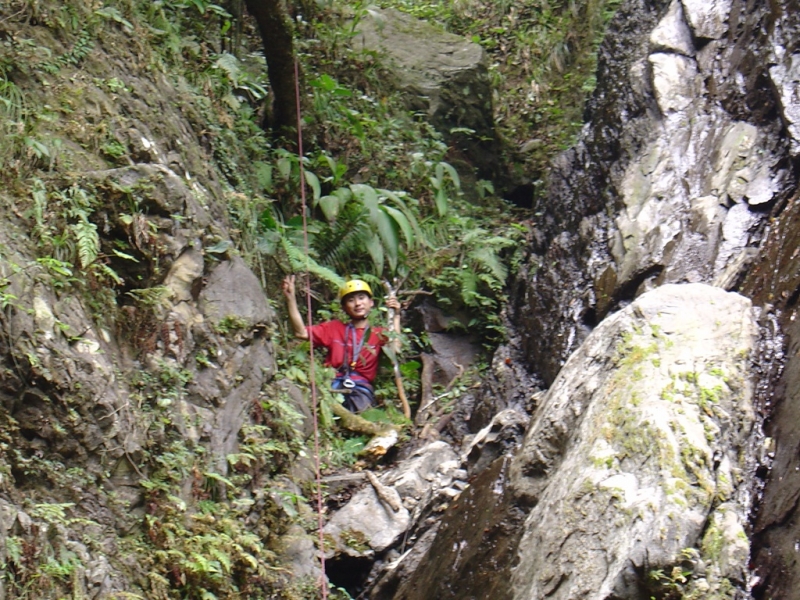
(349, 364)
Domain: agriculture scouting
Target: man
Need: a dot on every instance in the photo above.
(353, 348)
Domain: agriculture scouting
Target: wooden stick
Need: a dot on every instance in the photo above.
(401, 392)
(426, 385)
(383, 492)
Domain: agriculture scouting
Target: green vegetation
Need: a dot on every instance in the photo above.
(543, 56)
(92, 99)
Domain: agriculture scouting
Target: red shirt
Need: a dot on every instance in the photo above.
(331, 335)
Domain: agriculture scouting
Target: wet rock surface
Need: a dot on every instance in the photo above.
(468, 554)
(633, 464)
(685, 153)
(686, 172)
(773, 282)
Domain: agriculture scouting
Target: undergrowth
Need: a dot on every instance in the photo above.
(543, 56)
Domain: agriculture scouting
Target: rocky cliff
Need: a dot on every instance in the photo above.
(657, 305)
(640, 474)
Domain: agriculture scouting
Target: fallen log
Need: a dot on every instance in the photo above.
(356, 424)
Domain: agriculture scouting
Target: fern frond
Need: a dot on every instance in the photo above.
(469, 286)
(487, 258)
(88, 242)
(344, 241)
(110, 273)
(299, 261)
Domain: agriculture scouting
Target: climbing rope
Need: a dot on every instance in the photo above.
(314, 409)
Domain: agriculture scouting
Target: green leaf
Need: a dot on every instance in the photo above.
(487, 258)
(267, 220)
(268, 242)
(408, 213)
(404, 224)
(220, 478)
(313, 183)
(367, 194)
(221, 247)
(375, 249)
(330, 206)
(124, 256)
(388, 234)
(285, 167)
(88, 241)
(410, 369)
(230, 64)
(110, 273)
(109, 12)
(337, 169)
(221, 557)
(300, 262)
(264, 175)
(324, 82)
(441, 201)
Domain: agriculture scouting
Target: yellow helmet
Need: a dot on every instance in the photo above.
(354, 285)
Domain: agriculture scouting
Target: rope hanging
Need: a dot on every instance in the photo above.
(314, 407)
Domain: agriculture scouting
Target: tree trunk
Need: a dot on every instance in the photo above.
(276, 36)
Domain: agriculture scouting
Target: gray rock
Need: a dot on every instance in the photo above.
(233, 290)
(367, 525)
(432, 466)
(672, 177)
(299, 553)
(786, 77)
(167, 192)
(442, 75)
(674, 80)
(672, 33)
(708, 18)
(635, 444)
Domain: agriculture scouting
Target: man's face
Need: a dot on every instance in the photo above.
(357, 305)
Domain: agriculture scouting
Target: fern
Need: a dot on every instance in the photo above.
(487, 258)
(300, 261)
(88, 241)
(109, 273)
(345, 240)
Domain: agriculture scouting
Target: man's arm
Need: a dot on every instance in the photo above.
(295, 318)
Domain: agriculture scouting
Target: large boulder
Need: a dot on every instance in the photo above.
(442, 76)
(635, 454)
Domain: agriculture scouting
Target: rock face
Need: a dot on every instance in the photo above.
(99, 375)
(630, 483)
(686, 153)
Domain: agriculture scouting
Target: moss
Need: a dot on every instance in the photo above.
(356, 540)
(230, 324)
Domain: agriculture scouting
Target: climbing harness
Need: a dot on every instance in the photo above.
(356, 389)
(314, 407)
